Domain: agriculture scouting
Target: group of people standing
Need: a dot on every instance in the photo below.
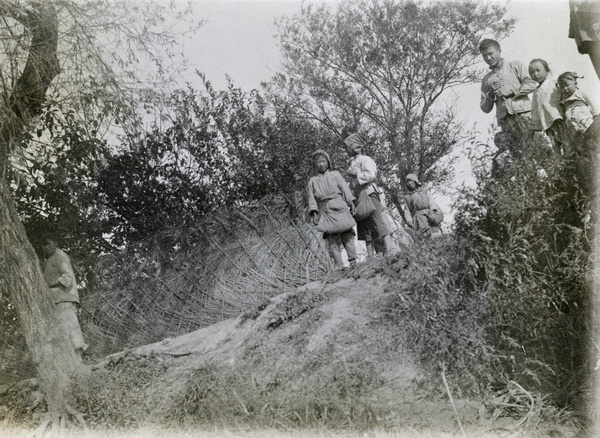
(336, 206)
(557, 114)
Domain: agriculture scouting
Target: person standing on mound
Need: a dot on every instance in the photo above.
(425, 213)
(363, 173)
(507, 87)
(331, 206)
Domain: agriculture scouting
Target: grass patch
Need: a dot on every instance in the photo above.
(337, 396)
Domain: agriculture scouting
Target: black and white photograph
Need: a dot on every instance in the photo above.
(299, 218)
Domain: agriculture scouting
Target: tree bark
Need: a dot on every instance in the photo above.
(20, 274)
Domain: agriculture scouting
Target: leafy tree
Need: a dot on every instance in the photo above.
(60, 53)
(51, 351)
(218, 149)
(117, 62)
(152, 186)
(54, 188)
(381, 67)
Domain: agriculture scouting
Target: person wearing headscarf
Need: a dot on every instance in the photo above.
(363, 174)
(331, 206)
(426, 215)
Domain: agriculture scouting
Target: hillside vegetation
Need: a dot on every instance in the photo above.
(240, 323)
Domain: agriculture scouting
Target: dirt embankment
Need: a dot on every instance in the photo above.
(321, 356)
(320, 329)
(325, 349)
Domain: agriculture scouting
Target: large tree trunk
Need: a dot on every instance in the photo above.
(20, 274)
(53, 355)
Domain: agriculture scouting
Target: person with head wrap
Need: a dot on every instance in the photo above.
(426, 215)
(363, 173)
(331, 207)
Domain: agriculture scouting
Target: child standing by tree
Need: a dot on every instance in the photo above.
(363, 172)
(60, 278)
(545, 104)
(579, 110)
(331, 207)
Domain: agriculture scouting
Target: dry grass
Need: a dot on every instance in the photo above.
(224, 266)
(221, 268)
(157, 432)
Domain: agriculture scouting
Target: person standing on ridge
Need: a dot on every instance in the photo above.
(546, 117)
(363, 173)
(331, 207)
(425, 213)
(506, 87)
(579, 110)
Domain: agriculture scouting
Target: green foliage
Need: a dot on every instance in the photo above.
(528, 234)
(54, 185)
(219, 149)
(507, 297)
(100, 90)
(148, 188)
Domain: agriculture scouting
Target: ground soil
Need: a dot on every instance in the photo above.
(333, 330)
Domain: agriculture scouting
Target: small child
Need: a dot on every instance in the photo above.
(545, 104)
(331, 207)
(578, 109)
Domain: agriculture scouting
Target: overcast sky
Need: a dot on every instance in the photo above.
(238, 39)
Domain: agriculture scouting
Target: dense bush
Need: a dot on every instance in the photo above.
(527, 231)
(439, 314)
(506, 297)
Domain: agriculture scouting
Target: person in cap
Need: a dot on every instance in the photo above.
(331, 206)
(426, 215)
(363, 173)
(59, 276)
